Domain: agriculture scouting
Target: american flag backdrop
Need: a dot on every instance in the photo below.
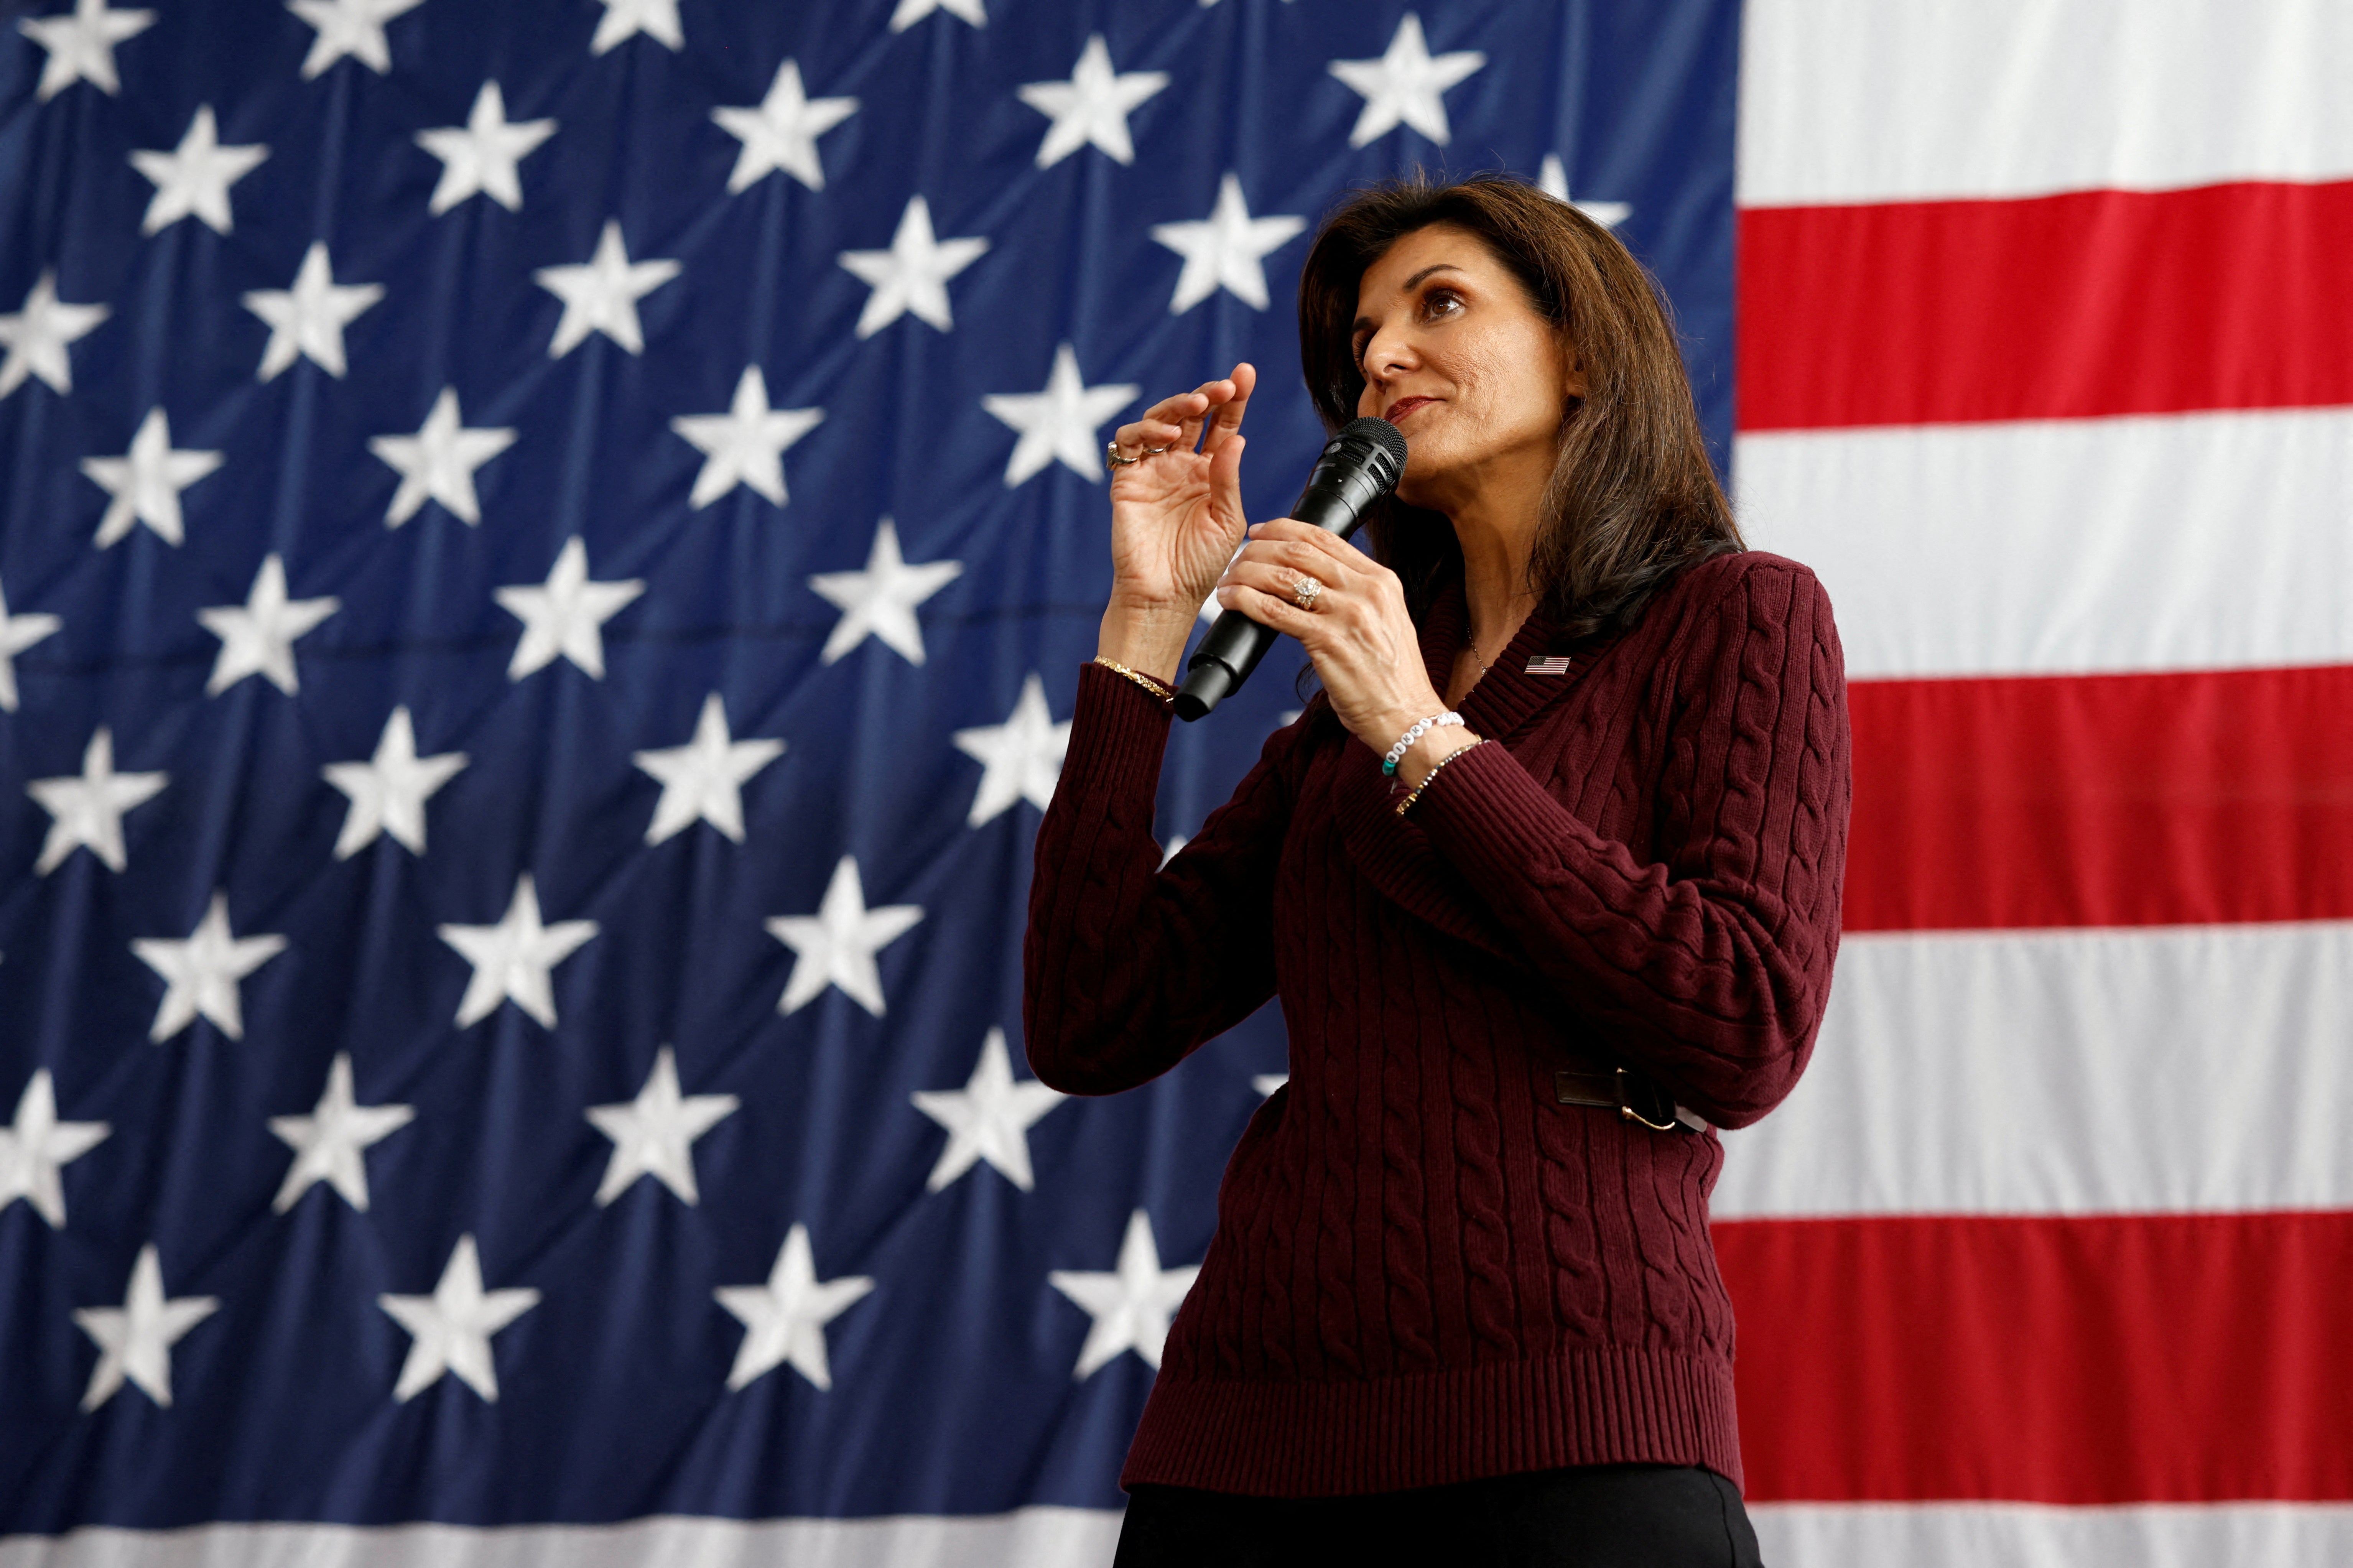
(544, 549)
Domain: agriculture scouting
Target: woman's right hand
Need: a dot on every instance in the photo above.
(1176, 516)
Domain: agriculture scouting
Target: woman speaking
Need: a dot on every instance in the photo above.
(1547, 876)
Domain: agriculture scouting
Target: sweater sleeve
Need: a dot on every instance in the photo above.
(1708, 966)
(1126, 966)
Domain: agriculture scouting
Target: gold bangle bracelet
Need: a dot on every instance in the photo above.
(1415, 794)
(1137, 676)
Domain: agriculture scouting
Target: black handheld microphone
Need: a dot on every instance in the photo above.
(1359, 465)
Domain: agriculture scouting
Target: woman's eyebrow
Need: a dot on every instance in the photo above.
(1364, 323)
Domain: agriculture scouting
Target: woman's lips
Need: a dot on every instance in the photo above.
(1405, 406)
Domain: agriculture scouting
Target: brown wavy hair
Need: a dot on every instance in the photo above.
(1633, 499)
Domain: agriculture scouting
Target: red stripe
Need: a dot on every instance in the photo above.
(2098, 303)
(2150, 1359)
(2105, 800)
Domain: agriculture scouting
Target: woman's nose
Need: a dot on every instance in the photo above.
(1390, 352)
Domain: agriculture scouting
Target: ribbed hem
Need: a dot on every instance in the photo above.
(1118, 732)
(1601, 1406)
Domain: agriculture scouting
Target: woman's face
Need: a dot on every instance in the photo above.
(1456, 356)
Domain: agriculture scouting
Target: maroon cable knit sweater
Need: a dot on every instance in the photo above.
(1426, 1269)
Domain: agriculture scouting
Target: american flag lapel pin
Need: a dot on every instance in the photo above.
(1548, 664)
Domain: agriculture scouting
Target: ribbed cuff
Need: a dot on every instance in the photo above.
(1118, 735)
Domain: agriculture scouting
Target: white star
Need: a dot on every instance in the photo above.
(703, 780)
(746, 444)
(913, 274)
(81, 45)
(784, 1320)
(36, 336)
(836, 946)
(307, 321)
(353, 27)
(1227, 250)
(328, 1142)
(624, 19)
(1059, 422)
(781, 133)
(565, 616)
(88, 809)
(1131, 1305)
(135, 1339)
(482, 155)
(194, 176)
(1404, 85)
(1552, 179)
(1176, 841)
(1266, 1083)
(881, 601)
(146, 481)
(200, 973)
(34, 1148)
(258, 636)
(989, 1119)
(438, 463)
(601, 294)
(1022, 756)
(1093, 106)
(911, 12)
(18, 633)
(451, 1330)
(653, 1135)
(512, 960)
(388, 791)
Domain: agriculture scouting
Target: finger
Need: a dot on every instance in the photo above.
(1134, 438)
(1163, 424)
(1228, 417)
(1205, 397)
(1283, 583)
(1279, 615)
(1226, 478)
(1288, 561)
(1323, 546)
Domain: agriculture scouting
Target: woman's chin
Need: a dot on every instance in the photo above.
(1421, 487)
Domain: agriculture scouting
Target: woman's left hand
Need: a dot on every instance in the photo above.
(1365, 648)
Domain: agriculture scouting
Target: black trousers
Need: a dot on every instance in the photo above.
(1592, 1516)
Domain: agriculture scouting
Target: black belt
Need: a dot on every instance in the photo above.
(1631, 1094)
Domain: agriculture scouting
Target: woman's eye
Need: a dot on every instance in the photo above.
(1440, 301)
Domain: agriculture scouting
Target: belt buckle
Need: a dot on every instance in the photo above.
(1606, 1092)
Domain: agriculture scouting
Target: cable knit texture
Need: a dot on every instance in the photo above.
(1425, 1269)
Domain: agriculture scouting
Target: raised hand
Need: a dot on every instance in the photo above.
(1176, 511)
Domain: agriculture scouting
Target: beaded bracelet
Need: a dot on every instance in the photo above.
(1137, 676)
(1396, 752)
(1415, 794)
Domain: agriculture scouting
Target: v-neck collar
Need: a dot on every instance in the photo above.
(1506, 697)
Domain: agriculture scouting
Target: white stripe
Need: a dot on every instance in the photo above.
(2025, 1535)
(1029, 1538)
(2171, 1069)
(2185, 542)
(1861, 100)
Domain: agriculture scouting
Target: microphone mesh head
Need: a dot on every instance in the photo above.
(1381, 434)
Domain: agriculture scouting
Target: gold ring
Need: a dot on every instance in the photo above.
(1303, 592)
(1113, 459)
